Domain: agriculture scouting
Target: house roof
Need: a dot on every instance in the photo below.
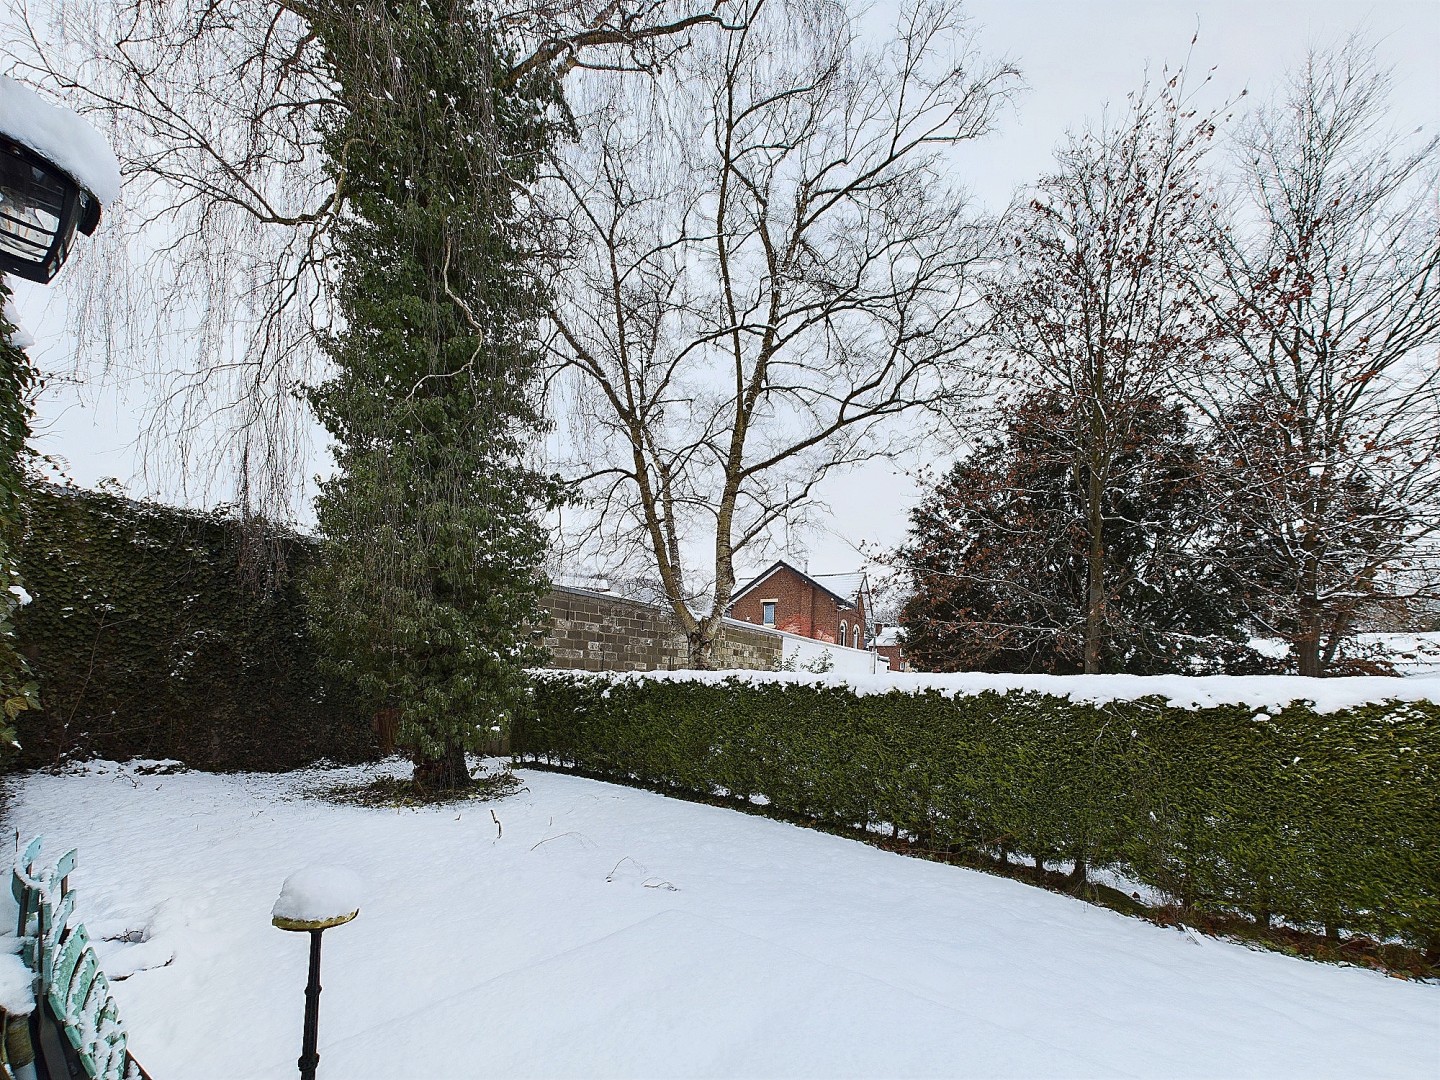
(891, 635)
(845, 588)
(846, 585)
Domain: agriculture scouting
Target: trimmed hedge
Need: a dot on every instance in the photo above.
(150, 639)
(1330, 821)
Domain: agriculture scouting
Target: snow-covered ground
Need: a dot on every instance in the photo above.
(613, 932)
(1415, 653)
(1411, 654)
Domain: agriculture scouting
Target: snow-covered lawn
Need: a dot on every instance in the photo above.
(613, 932)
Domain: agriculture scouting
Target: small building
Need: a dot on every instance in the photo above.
(833, 608)
(890, 643)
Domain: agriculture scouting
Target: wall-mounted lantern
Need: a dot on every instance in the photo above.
(55, 172)
(41, 206)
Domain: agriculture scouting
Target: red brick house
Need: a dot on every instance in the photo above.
(826, 607)
(890, 643)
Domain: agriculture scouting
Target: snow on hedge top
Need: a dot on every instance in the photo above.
(60, 135)
(317, 894)
(1182, 691)
(17, 996)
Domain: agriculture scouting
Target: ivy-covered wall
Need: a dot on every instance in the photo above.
(1327, 820)
(150, 639)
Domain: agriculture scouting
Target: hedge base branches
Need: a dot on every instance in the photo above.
(1323, 821)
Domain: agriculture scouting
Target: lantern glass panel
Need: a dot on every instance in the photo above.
(36, 214)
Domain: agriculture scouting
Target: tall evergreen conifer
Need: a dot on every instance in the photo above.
(431, 525)
(998, 552)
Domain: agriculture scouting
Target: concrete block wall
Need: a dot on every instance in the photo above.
(592, 631)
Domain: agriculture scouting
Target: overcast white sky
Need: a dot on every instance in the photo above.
(1076, 55)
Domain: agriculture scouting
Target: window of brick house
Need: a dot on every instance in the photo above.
(767, 612)
(843, 628)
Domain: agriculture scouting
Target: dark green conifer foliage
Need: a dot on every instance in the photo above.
(18, 690)
(432, 540)
(998, 552)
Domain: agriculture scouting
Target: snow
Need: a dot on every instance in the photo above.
(1410, 654)
(606, 931)
(17, 994)
(1184, 691)
(1415, 653)
(62, 136)
(317, 894)
(21, 338)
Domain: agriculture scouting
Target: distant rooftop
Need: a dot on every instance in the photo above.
(844, 587)
(891, 635)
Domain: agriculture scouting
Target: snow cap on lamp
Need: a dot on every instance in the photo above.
(317, 898)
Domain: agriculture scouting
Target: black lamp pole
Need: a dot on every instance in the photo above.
(309, 1055)
(309, 1052)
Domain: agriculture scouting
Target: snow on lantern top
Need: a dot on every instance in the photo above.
(61, 136)
(316, 898)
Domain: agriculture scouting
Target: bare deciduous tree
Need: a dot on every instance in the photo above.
(1090, 304)
(768, 279)
(1326, 404)
(217, 268)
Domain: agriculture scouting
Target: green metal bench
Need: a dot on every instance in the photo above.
(75, 1028)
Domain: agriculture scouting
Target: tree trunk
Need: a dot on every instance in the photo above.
(700, 650)
(1095, 571)
(448, 772)
(1306, 644)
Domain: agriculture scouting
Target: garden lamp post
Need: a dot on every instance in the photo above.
(312, 901)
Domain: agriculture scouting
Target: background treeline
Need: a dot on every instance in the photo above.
(1325, 821)
(1217, 415)
(151, 637)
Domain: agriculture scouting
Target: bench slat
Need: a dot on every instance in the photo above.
(26, 897)
(64, 867)
(64, 966)
(53, 924)
(78, 991)
(25, 861)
